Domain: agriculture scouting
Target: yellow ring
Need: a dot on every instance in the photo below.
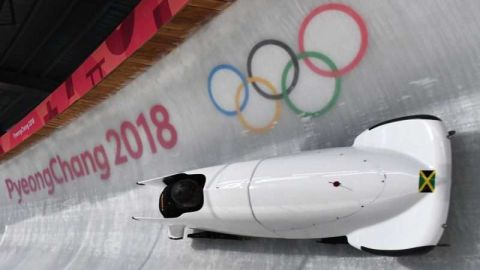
(278, 107)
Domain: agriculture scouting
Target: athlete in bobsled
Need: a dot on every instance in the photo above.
(388, 193)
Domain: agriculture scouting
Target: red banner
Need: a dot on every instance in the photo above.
(139, 26)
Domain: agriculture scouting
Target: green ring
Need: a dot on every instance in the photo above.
(335, 96)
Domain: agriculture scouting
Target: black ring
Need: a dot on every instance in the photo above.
(292, 55)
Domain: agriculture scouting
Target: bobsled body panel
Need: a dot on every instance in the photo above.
(310, 195)
(227, 206)
(302, 192)
(423, 222)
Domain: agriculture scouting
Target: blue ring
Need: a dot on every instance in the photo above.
(244, 81)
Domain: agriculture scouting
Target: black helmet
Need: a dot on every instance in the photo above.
(186, 193)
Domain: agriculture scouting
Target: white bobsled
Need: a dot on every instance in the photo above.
(389, 192)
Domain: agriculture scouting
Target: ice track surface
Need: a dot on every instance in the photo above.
(422, 57)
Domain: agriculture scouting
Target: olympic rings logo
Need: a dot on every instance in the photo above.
(286, 88)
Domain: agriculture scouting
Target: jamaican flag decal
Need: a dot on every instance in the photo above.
(426, 183)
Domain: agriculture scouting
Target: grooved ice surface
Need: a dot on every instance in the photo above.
(422, 57)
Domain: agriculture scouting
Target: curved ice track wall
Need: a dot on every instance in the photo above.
(416, 57)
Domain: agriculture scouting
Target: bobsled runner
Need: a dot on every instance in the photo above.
(388, 193)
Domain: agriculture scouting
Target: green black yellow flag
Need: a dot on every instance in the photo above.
(426, 183)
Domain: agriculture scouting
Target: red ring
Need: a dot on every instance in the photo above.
(363, 45)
